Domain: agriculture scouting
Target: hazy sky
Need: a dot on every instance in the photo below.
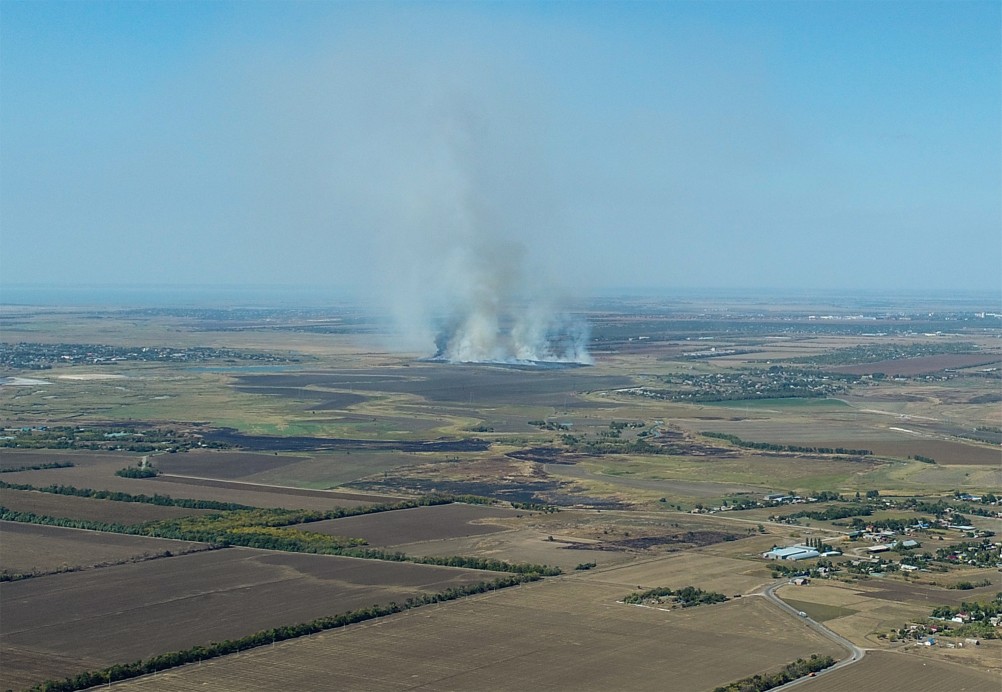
(799, 145)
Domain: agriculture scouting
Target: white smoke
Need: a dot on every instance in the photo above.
(467, 226)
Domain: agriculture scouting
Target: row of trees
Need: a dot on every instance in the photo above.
(115, 496)
(832, 513)
(264, 637)
(294, 516)
(39, 467)
(230, 531)
(771, 447)
(790, 672)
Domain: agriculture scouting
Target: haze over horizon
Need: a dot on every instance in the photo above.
(437, 155)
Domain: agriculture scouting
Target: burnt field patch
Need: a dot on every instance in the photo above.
(59, 625)
(535, 492)
(266, 443)
(546, 455)
(445, 382)
(414, 525)
(665, 542)
(532, 492)
(317, 400)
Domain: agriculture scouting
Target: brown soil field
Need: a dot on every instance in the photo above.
(945, 452)
(415, 525)
(556, 635)
(25, 548)
(89, 509)
(57, 625)
(891, 671)
(920, 366)
(932, 596)
(97, 471)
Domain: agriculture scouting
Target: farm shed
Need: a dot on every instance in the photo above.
(795, 552)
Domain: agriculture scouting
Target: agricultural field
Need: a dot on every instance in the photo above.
(602, 471)
(90, 509)
(97, 472)
(894, 671)
(419, 524)
(32, 548)
(59, 625)
(558, 635)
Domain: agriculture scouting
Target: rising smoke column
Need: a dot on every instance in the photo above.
(448, 167)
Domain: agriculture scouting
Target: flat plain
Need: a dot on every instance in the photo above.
(559, 635)
(602, 471)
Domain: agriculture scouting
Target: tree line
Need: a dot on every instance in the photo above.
(790, 672)
(769, 446)
(233, 533)
(39, 467)
(115, 496)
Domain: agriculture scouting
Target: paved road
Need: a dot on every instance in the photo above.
(855, 653)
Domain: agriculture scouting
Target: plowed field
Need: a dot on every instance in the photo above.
(413, 525)
(556, 635)
(58, 625)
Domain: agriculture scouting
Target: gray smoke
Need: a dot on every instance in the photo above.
(469, 231)
(490, 326)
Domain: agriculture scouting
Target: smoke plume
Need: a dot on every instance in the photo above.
(469, 228)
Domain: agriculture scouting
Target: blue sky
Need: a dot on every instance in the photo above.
(671, 145)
